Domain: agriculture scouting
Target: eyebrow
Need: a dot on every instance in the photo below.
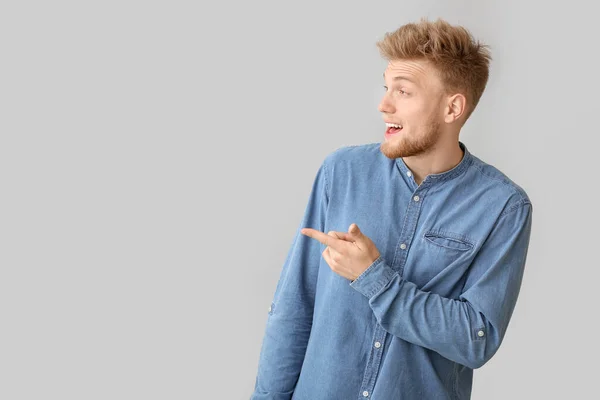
(400, 77)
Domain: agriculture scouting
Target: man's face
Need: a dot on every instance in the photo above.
(414, 100)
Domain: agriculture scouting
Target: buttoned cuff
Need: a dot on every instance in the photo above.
(374, 278)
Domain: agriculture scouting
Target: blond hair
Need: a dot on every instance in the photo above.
(461, 61)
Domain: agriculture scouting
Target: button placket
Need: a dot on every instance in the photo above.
(373, 362)
(409, 227)
(406, 236)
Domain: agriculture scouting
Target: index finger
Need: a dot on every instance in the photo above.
(327, 240)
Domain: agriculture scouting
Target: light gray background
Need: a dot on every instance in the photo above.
(156, 159)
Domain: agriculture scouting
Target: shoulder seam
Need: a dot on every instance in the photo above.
(326, 167)
(505, 183)
(522, 202)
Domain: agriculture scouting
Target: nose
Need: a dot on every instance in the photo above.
(385, 106)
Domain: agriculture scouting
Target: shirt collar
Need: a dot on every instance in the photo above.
(442, 176)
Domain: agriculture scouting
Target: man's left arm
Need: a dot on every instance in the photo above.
(467, 330)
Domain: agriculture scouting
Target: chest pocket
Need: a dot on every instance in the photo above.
(439, 255)
(449, 240)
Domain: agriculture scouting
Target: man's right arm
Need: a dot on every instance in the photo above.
(290, 316)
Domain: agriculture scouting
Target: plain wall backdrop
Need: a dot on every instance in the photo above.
(156, 158)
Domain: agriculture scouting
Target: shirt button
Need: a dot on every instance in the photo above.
(480, 333)
(269, 308)
(365, 393)
(409, 173)
(377, 344)
(402, 246)
(416, 198)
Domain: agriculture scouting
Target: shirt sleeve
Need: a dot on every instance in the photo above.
(467, 330)
(289, 320)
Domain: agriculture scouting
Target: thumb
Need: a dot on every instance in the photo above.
(355, 231)
(360, 239)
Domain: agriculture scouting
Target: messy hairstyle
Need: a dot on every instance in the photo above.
(461, 61)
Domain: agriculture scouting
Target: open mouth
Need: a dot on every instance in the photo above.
(392, 129)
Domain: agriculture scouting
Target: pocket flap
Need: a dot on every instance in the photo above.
(449, 240)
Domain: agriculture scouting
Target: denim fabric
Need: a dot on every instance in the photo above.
(434, 306)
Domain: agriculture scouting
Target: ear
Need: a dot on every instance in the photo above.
(456, 106)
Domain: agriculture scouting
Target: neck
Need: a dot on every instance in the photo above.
(441, 158)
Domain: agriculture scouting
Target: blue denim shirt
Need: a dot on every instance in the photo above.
(434, 306)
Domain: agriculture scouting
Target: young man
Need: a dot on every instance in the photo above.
(415, 281)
